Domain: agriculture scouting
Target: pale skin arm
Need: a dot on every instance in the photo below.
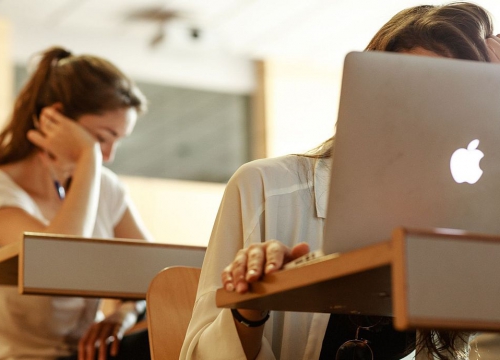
(131, 226)
(72, 148)
(249, 266)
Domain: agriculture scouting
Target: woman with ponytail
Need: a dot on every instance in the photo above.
(66, 122)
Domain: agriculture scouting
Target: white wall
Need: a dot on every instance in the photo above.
(6, 73)
(302, 105)
(176, 212)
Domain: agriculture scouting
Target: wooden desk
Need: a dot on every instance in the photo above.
(64, 265)
(425, 279)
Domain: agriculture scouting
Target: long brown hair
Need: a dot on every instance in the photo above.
(83, 84)
(456, 30)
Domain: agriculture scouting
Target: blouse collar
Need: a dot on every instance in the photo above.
(321, 184)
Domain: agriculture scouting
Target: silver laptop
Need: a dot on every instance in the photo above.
(418, 145)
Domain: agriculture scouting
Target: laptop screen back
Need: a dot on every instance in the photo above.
(401, 119)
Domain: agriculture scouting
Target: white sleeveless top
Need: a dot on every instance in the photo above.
(47, 327)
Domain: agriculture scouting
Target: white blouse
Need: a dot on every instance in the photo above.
(282, 198)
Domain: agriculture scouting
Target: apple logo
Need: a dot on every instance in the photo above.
(464, 163)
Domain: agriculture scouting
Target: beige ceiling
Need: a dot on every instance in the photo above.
(232, 32)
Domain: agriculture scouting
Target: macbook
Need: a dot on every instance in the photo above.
(417, 145)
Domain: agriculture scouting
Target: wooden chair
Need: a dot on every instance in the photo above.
(170, 301)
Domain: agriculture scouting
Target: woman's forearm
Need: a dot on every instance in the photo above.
(250, 337)
(79, 209)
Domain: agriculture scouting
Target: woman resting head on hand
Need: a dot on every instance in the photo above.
(283, 199)
(66, 121)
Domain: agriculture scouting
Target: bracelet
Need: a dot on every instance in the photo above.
(249, 323)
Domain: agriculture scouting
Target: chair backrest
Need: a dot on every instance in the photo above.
(170, 301)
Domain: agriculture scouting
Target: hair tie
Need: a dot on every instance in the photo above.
(60, 54)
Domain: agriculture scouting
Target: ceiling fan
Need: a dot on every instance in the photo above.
(160, 16)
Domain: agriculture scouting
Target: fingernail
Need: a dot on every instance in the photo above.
(251, 274)
(229, 287)
(270, 267)
(240, 287)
